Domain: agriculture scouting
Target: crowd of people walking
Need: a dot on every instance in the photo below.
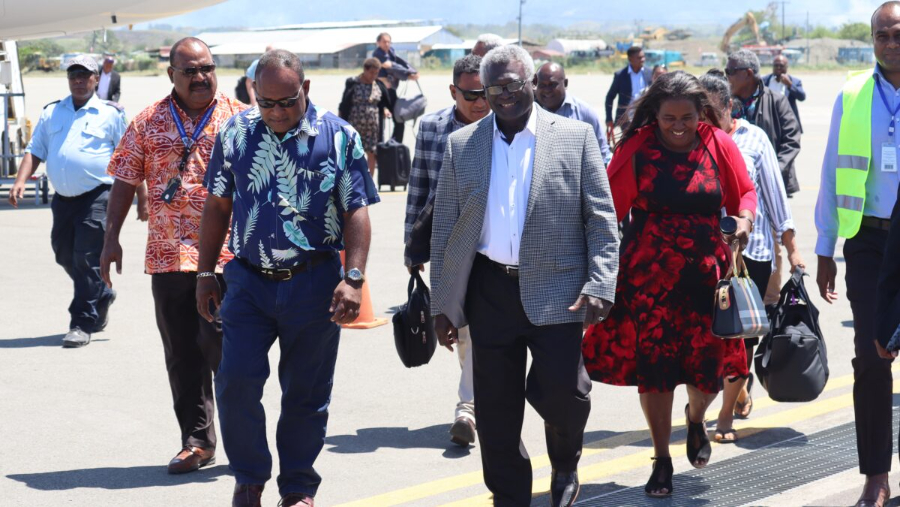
(594, 247)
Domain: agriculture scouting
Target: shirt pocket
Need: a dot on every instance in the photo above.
(94, 140)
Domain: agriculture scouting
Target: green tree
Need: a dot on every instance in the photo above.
(855, 31)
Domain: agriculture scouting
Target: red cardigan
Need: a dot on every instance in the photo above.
(740, 193)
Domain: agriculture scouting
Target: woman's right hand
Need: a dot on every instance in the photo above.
(742, 235)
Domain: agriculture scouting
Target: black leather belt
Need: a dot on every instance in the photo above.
(285, 274)
(882, 224)
(510, 271)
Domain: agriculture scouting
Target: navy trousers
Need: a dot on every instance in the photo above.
(79, 224)
(256, 312)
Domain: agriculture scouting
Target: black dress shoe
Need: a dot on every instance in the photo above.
(564, 488)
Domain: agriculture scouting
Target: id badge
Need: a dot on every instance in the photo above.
(888, 158)
(171, 189)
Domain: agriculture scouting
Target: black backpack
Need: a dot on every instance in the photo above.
(240, 91)
(792, 361)
(413, 326)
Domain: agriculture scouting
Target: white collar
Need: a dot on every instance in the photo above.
(531, 126)
(633, 73)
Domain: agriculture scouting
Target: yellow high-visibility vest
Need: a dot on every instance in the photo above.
(854, 151)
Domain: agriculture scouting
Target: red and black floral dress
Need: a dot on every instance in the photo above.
(658, 333)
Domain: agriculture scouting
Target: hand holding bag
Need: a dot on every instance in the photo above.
(414, 333)
(739, 311)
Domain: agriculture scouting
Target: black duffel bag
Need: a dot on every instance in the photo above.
(413, 326)
(792, 361)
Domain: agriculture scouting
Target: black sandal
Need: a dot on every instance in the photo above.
(661, 478)
(702, 450)
(740, 407)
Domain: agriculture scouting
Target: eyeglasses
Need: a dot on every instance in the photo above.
(79, 74)
(471, 95)
(193, 71)
(734, 70)
(284, 103)
(513, 87)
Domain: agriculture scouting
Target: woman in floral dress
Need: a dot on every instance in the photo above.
(674, 174)
(364, 104)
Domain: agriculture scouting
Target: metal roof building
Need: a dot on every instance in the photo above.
(327, 45)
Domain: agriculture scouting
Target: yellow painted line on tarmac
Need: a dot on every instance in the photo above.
(440, 486)
(640, 459)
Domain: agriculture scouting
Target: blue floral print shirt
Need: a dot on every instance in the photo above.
(290, 194)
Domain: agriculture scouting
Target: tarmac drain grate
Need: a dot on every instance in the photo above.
(752, 476)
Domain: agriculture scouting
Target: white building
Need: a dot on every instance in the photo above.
(577, 47)
(328, 45)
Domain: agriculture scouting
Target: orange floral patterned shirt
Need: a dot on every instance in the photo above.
(151, 151)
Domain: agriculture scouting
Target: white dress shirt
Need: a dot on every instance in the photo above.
(638, 83)
(504, 217)
(103, 87)
(777, 86)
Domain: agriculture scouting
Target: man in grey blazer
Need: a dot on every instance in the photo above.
(524, 250)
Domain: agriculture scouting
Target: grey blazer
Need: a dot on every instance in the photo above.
(569, 243)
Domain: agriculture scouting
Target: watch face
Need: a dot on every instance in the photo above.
(355, 275)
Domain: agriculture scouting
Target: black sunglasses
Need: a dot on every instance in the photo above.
(735, 70)
(513, 87)
(79, 74)
(193, 71)
(471, 95)
(284, 103)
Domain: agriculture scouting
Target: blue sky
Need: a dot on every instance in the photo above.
(250, 13)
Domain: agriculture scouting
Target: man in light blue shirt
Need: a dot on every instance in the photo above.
(864, 251)
(76, 136)
(552, 94)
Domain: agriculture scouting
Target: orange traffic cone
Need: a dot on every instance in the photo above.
(366, 318)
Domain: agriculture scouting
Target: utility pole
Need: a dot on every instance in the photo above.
(807, 37)
(782, 2)
(521, 3)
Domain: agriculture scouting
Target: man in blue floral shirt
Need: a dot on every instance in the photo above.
(294, 181)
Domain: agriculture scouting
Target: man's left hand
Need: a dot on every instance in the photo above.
(596, 309)
(883, 353)
(345, 303)
(785, 80)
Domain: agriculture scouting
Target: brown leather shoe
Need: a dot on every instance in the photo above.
(296, 500)
(247, 495)
(191, 459)
(876, 492)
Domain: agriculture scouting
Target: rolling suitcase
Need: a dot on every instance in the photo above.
(394, 164)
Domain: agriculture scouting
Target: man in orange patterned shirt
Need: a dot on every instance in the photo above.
(168, 146)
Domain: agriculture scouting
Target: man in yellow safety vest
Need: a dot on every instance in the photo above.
(856, 197)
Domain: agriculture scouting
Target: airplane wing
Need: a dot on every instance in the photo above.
(33, 19)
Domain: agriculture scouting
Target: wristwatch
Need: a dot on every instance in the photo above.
(355, 275)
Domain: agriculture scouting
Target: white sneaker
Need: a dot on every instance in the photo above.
(76, 338)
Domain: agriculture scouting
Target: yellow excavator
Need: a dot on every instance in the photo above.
(749, 20)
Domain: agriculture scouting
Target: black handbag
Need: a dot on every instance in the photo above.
(414, 333)
(792, 361)
(739, 311)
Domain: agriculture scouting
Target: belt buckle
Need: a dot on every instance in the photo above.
(290, 274)
(510, 270)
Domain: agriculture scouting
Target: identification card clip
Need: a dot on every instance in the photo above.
(171, 189)
(888, 158)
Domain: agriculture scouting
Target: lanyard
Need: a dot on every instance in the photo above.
(198, 129)
(888, 107)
